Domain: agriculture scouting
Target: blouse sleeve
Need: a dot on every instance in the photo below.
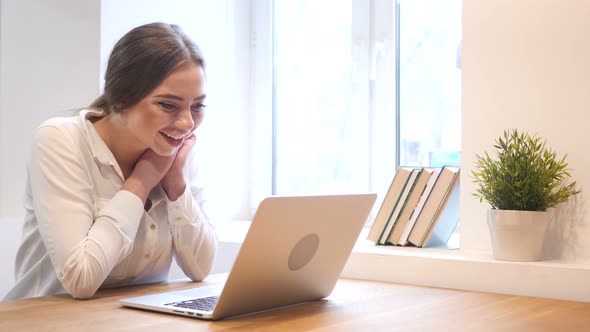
(194, 237)
(83, 246)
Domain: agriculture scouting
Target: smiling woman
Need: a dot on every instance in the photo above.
(111, 196)
(162, 120)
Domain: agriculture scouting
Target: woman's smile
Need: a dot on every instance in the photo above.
(174, 142)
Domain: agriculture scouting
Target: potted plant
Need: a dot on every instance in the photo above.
(522, 181)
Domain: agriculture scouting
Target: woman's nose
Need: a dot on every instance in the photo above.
(185, 120)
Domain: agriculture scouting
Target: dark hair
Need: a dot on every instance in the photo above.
(141, 60)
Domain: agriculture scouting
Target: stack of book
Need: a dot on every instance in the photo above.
(421, 208)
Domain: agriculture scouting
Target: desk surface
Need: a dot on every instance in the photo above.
(353, 306)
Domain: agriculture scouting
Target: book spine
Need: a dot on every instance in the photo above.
(403, 240)
(399, 205)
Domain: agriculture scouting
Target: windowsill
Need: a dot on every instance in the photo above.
(452, 268)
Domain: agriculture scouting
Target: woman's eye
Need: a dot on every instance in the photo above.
(198, 108)
(167, 107)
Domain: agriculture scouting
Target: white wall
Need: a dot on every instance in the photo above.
(526, 66)
(49, 56)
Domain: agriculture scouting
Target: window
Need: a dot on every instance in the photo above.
(349, 100)
(430, 82)
(321, 128)
(333, 96)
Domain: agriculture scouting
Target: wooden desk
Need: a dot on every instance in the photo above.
(353, 306)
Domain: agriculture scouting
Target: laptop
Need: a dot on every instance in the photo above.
(294, 252)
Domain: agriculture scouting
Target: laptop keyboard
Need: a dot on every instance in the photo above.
(204, 304)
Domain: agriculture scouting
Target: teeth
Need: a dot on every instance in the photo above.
(172, 137)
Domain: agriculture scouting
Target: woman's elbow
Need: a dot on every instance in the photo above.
(81, 286)
(199, 276)
(199, 273)
(81, 293)
(202, 270)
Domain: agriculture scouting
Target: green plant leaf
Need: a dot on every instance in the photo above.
(523, 174)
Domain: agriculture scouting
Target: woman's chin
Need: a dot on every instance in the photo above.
(167, 152)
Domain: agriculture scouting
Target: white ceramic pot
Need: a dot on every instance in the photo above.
(517, 235)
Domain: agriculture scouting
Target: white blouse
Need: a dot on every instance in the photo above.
(82, 232)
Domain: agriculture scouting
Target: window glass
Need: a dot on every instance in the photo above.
(430, 82)
(321, 137)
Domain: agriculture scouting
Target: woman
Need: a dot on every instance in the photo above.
(110, 192)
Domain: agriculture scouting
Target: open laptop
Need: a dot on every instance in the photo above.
(294, 252)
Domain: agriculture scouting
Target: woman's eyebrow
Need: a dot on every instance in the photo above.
(171, 96)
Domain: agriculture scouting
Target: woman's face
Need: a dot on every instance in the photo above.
(170, 113)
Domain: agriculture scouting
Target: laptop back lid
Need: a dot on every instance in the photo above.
(294, 252)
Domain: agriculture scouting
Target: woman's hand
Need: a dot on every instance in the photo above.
(173, 181)
(149, 170)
